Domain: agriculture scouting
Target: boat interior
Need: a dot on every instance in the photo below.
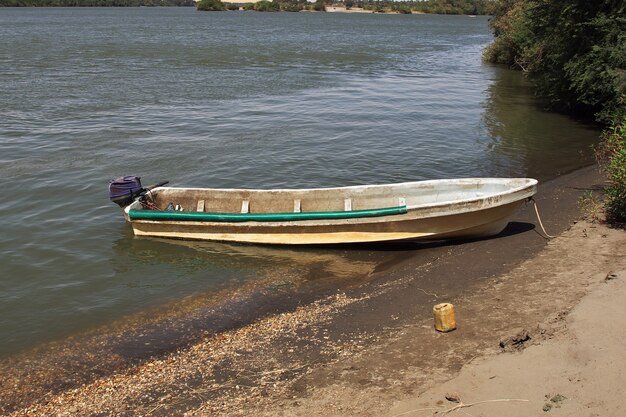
(367, 197)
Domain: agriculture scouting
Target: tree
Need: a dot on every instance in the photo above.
(575, 51)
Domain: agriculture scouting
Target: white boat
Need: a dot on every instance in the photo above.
(422, 210)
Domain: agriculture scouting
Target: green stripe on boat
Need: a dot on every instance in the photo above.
(261, 217)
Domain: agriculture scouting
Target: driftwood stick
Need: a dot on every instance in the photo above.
(460, 406)
(414, 410)
(463, 405)
(519, 64)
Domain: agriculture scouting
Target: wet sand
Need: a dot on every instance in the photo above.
(354, 352)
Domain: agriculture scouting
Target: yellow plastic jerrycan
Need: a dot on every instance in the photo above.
(444, 317)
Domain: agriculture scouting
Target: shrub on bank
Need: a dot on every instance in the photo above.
(574, 52)
(611, 155)
(210, 5)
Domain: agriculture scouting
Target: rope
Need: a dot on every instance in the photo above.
(539, 219)
(146, 202)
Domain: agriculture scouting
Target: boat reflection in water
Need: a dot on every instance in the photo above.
(212, 286)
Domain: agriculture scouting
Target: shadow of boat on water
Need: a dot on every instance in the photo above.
(309, 262)
(233, 285)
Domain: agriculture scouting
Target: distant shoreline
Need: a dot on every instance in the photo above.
(105, 6)
(22, 4)
(330, 9)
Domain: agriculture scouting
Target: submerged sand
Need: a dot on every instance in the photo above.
(555, 306)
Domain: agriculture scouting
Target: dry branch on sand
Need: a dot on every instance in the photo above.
(439, 411)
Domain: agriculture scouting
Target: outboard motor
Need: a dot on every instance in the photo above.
(124, 190)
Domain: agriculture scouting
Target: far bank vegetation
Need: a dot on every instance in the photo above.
(95, 3)
(469, 7)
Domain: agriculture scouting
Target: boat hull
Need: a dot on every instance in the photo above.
(473, 224)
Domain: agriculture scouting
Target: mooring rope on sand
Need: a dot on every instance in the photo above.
(539, 220)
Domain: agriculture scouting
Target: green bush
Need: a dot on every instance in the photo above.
(611, 155)
(210, 5)
(511, 34)
(574, 51)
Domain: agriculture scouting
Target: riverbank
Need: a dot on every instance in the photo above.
(370, 350)
(573, 367)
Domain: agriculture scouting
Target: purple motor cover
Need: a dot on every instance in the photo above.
(129, 185)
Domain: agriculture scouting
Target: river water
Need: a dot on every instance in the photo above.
(236, 99)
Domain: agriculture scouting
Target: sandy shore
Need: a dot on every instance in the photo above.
(353, 10)
(333, 9)
(372, 350)
(574, 367)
